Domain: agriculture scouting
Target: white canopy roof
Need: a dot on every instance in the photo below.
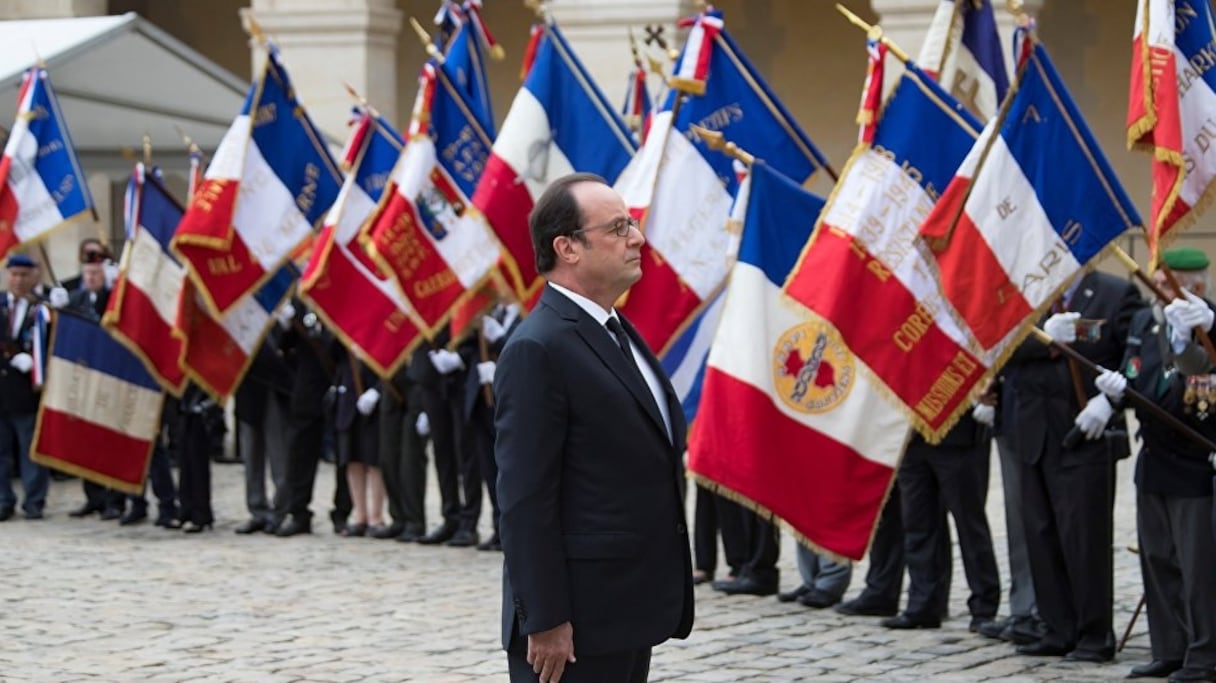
(117, 78)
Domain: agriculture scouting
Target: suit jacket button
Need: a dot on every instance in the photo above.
(680, 528)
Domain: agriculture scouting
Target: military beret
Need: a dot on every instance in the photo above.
(1185, 258)
(20, 261)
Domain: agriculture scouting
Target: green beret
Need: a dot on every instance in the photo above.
(1185, 258)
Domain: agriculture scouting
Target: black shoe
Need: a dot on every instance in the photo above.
(1094, 656)
(491, 543)
(863, 606)
(995, 628)
(352, 530)
(978, 623)
(6, 514)
(132, 516)
(793, 594)
(1043, 648)
(169, 522)
(111, 513)
(1189, 674)
(34, 514)
(382, 531)
(194, 527)
(254, 525)
(409, 536)
(292, 526)
(84, 510)
(746, 585)
(465, 538)
(1023, 630)
(1157, 668)
(905, 621)
(818, 599)
(441, 534)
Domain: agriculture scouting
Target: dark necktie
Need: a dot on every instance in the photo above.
(622, 340)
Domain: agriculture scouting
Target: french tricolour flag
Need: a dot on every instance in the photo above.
(559, 123)
(362, 306)
(100, 409)
(41, 184)
(791, 419)
(1009, 235)
(866, 253)
(963, 52)
(271, 180)
(143, 306)
(425, 232)
(1171, 109)
(681, 190)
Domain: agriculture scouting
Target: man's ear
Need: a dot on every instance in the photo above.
(563, 247)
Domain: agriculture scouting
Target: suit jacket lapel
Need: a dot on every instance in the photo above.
(601, 342)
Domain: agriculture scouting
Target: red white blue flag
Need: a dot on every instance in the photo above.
(100, 411)
(559, 123)
(963, 52)
(270, 182)
(1171, 109)
(41, 185)
(1009, 235)
(792, 420)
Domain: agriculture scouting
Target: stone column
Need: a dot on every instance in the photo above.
(51, 9)
(327, 42)
(598, 31)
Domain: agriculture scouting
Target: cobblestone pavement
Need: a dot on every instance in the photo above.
(87, 600)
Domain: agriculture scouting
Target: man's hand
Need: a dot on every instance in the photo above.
(422, 425)
(58, 297)
(366, 402)
(1093, 417)
(984, 414)
(550, 651)
(492, 330)
(1062, 327)
(1184, 315)
(285, 315)
(22, 362)
(1113, 384)
(445, 361)
(485, 371)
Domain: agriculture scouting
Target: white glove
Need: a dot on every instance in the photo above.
(508, 318)
(1062, 327)
(1113, 384)
(111, 273)
(984, 414)
(58, 297)
(22, 362)
(491, 329)
(366, 402)
(1093, 417)
(285, 315)
(446, 361)
(485, 371)
(423, 425)
(1185, 315)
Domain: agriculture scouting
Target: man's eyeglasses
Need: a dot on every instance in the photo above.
(619, 227)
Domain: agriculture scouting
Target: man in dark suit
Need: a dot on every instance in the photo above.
(1165, 363)
(1067, 489)
(18, 396)
(590, 439)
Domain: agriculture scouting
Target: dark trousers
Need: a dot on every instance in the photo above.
(930, 476)
(729, 520)
(479, 438)
(100, 497)
(443, 414)
(194, 478)
(16, 436)
(1177, 555)
(1067, 512)
(885, 577)
(762, 542)
(304, 435)
(626, 667)
(403, 469)
(161, 477)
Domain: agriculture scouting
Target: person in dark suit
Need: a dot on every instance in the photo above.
(590, 439)
(1165, 363)
(1067, 490)
(403, 458)
(953, 473)
(18, 395)
(357, 436)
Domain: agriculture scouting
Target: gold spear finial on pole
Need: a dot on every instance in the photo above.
(716, 141)
(874, 32)
(425, 37)
(147, 149)
(253, 28)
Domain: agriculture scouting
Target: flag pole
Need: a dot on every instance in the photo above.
(716, 141)
(431, 51)
(1133, 396)
(1130, 263)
